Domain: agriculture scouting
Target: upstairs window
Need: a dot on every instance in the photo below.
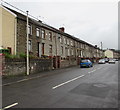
(43, 34)
(71, 43)
(72, 52)
(37, 32)
(30, 29)
(50, 36)
(61, 39)
(61, 50)
(68, 52)
(67, 41)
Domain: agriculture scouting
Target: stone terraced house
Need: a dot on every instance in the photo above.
(46, 41)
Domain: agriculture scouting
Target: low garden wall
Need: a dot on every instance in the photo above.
(18, 66)
(68, 63)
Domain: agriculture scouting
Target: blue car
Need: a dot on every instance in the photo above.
(86, 63)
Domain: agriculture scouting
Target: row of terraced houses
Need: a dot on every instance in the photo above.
(44, 40)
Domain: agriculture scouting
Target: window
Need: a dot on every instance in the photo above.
(67, 41)
(37, 32)
(61, 39)
(78, 45)
(72, 52)
(43, 34)
(68, 52)
(30, 45)
(30, 29)
(50, 36)
(61, 50)
(71, 43)
(50, 49)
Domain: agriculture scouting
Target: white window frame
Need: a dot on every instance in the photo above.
(72, 53)
(64, 40)
(37, 32)
(43, 34)
(50, 36)
(68, 52)
(30, 29)
(60, 39)
(67, 41)
(61, 50)
(71, 43)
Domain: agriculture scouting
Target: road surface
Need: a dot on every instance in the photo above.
(74, 87)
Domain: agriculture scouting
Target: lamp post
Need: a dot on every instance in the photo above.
(101, 45)
(27, 47)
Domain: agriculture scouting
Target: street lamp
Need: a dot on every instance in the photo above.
(27, 47)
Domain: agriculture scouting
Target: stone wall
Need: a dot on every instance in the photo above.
(18, 66)
(2, 58)
(68, 63)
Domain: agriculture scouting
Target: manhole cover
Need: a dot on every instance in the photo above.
(100, 85)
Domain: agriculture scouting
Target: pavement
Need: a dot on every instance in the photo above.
(74, 87)
(8, 80)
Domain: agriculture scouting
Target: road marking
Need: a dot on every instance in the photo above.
(99, 68)
(8, 83)
(9, 106)
(92, 71)
(22, 80)
(67, 82)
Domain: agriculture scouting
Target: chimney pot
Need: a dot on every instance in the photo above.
(62, 29)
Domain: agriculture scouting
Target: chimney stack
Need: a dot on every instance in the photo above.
(96, 46)
(62, 29)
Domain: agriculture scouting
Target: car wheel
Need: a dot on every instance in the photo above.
(89, 66)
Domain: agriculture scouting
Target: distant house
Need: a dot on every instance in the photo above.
(111, 53)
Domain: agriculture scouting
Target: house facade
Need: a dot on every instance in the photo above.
(111, 53)
(45, 40)
(8, 30)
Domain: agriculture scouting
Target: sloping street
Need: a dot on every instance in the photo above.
(74, 87)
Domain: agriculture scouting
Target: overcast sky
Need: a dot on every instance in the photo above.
(93, 21)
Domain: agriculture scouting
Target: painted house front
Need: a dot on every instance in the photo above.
(8, 24)
(109, 54)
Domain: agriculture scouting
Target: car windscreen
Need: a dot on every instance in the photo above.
(83, 61)
(101, 60)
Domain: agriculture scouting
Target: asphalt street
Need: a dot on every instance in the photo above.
(74, 87)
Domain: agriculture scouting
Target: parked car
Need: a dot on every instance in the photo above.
(86, 63)
(116, 59)
(106, 60)
(101, 61)
(111, 61)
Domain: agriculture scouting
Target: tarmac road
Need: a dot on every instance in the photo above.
(74, 87)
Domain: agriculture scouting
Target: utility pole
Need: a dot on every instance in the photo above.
(101, 45)
(102, 49)
(27, 47)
